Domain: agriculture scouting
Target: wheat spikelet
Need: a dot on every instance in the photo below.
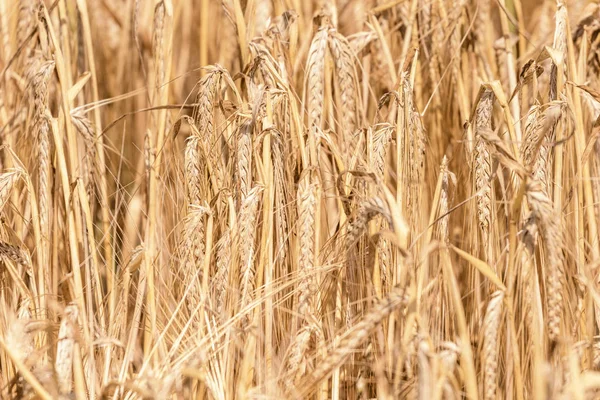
(443, 224)
(413, 144)
(380, 146)
(308, 201)
(541, 167)
(366, 211)
(491, 327)
(281, 195)
(417, 138)
(346, 78)
(483, 164)
(220, 279)
(15, 254)
(244, 159)
(193, 248)
(549, 226)
(157, 43)
(541, 171)
(383, 252)
(39, 83)
(205, 102)
(192, 169)
(86, 129)
(64, 349)
(531, 137)
(315, 67)
(296, 362)
(204, 118)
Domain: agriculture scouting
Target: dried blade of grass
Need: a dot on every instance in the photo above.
(7, 182)
(501, 152)
(481, 266)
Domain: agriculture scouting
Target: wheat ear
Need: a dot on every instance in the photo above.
(491, 328)
(483, 165)
(549, 226)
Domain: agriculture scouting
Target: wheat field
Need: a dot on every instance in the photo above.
(299, 199)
